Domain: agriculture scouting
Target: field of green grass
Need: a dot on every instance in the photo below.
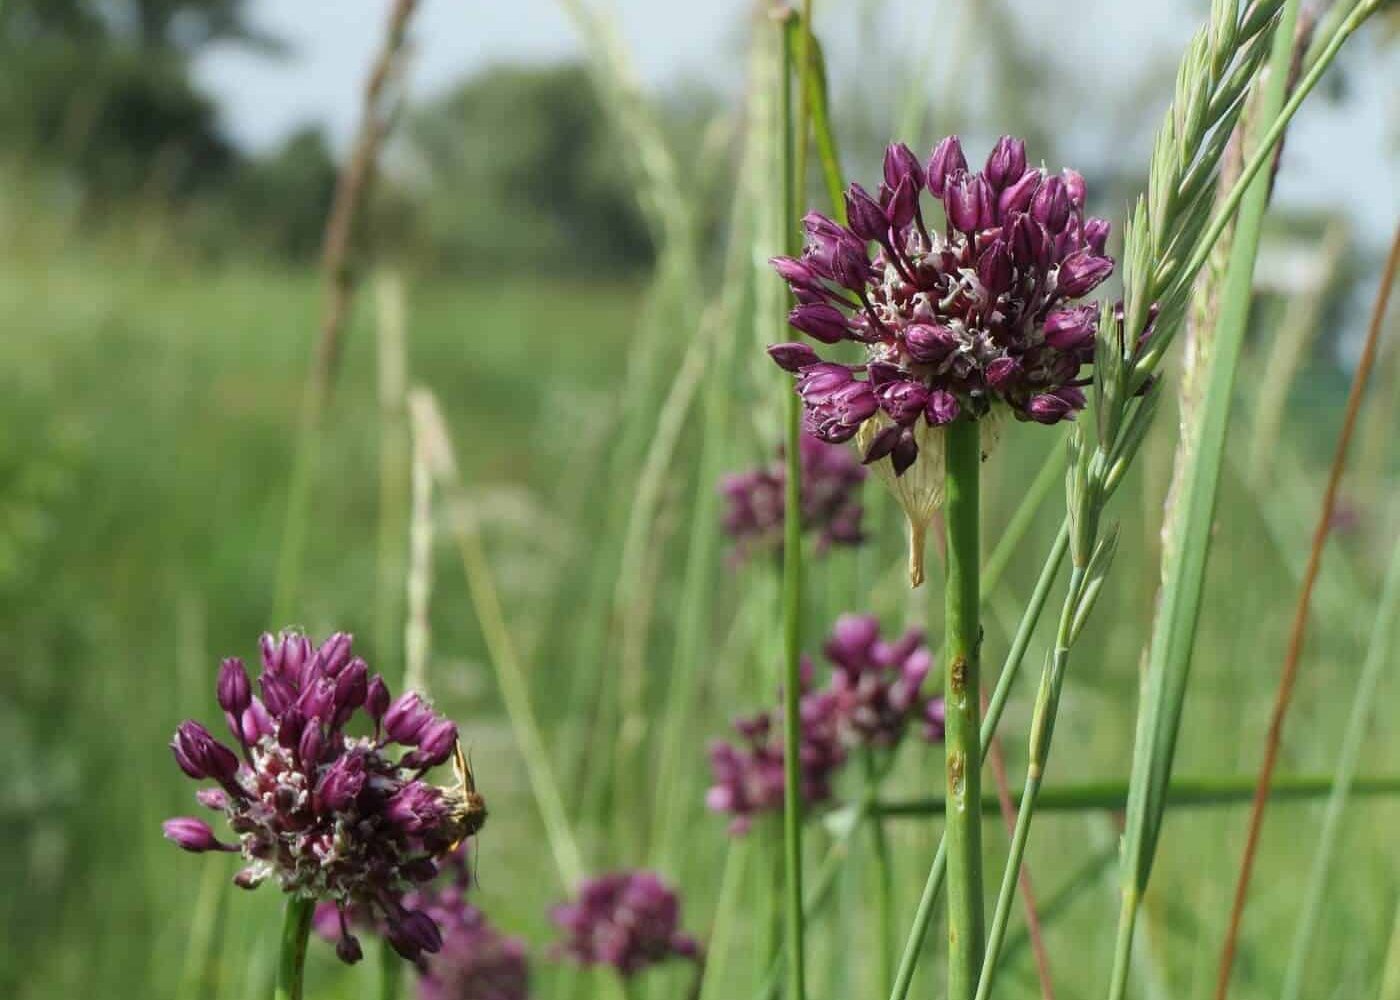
(149, 407)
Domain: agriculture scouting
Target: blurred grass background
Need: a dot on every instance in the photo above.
(153, 357)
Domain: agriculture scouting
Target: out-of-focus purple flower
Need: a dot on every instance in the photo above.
(935, 719)
(748, 774)
(328, 815)
(831, 509)
(476, 961)
(628, 920)
(978, 313)
(876, 683)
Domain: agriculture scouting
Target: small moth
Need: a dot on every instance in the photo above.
(466, 808)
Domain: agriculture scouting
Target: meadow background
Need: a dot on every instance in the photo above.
(579, 255)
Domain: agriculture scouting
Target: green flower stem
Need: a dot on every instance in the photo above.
(962, 690)
(794, 150)
(913, 945)
(296, 927)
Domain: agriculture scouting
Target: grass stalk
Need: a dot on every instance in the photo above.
(962, 687)
(1380, 653)
(1185, 793)
(794, 140)
(291, 962)
(1298, 631)
(394, 469)
(433, 442)
(342, 226)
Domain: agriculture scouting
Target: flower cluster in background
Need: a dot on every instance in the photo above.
(627, 920)
(871, 698)
(830, 506)
(329, 816)
(952, 320)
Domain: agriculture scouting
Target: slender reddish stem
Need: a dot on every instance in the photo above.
(1284, 696)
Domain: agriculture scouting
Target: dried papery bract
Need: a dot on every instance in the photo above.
(958, 323)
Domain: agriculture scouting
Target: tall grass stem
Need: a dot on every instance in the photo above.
(291, 961)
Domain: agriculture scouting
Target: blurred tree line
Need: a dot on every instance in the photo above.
(514, 167)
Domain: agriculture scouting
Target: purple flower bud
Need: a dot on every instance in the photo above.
(902, 400)
(906, 451)
(947, 158)
(850, 267)
(900, 162)
(435, 744)
(406, 718)
(212, 798)
(347, 949)
(273, 652)
(351, 690)
(1018, 194)
(942, 408)
(1052, 407)
(333, 655)
(820, 321)
(377, 699)
(816, 383)
(413, 933)
(793, 357)
(852, 638)
(317, 700)
(1071, 329)
(1051, 205)
(342, 783)
(903, 201)
(1006, 162)
(311, 745)
(994, 268)
(1081, 272)
(415, 806)
(249, 878)
(797, 274)
(201, 756)
(1074, 187)
(882, 444)
(1003, 372)
(1096, 234)
(192, 834)
(929, 344)
(865, 216)
(966, 198)
(1030, 245)
(233, 690)
(256, 722)
(277, 694)
(290, 726)
(854, 403)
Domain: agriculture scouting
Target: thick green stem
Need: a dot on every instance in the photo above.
(962, 691)
(296, 927)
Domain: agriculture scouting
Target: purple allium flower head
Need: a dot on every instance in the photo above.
(748, 775)
(876, 683)
(628, 920)
(476, 961)
(328, 815)
(977, 311)
(755, 500)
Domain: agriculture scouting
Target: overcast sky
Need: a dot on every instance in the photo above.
(1334, 158)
